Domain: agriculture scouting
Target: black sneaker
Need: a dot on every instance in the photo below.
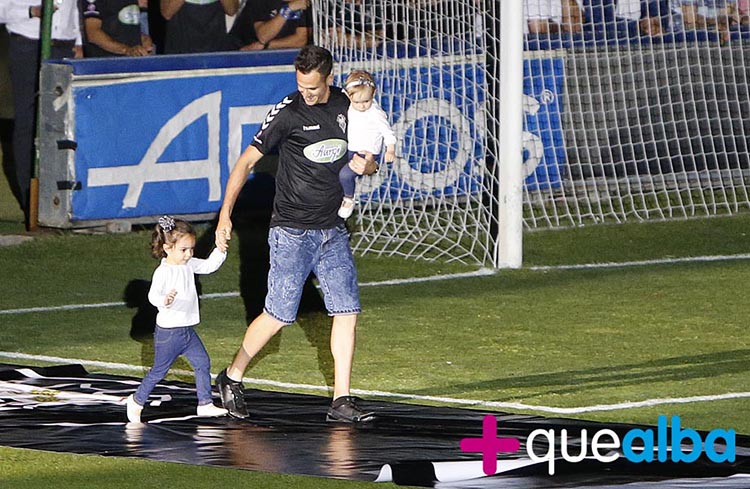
(232, 395)
(345, 410)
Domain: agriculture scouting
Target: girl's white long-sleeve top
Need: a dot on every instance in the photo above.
(369, 130)
(184, 310)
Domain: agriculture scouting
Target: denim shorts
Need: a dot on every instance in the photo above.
(294, 253)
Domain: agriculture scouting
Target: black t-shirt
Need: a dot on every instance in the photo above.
(311, 143)
(121, 20)
(198, 27)
(243, 29)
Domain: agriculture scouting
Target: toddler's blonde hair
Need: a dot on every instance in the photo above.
(357, 81)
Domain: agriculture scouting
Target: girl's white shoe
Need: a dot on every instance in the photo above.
(134, 409)
(210, 411)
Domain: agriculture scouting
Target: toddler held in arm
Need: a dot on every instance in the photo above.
(367, 132)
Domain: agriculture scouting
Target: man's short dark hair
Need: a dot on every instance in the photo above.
(314, 58)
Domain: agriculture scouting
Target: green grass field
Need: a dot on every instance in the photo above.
(560, 338)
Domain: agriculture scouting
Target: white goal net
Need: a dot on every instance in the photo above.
(633, 110)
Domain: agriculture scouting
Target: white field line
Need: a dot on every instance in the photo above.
(482, 272)
(220, 295)
(642, 263)
(395, 395)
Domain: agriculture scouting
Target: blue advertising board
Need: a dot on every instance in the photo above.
(150, 143)
(166, 145)
(543, 141)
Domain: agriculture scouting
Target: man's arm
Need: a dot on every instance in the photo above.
(17, 11)
(296, 40)
(267, 30)
(97, 36)
(237, 179)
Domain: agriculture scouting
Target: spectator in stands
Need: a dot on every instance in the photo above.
(113, 28)
(598, 17)
(712, 15)
(646, 18)
(197, 26)
(542, 16)
(23, 23)
(569, 16)
(610, 19)
(661, 17)
(744, 12)
(272, 24)
(360, 23)
(572, 16)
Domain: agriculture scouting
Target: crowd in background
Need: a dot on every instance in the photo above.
(636, 17)
(105, 28)
(140, 28)
(144, 27)
(193, 26)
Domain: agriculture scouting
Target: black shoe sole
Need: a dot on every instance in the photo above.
(233, 412)
(237, 415)
(331, 417)
(222, 382)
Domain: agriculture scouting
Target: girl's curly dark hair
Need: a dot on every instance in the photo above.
(167, 231)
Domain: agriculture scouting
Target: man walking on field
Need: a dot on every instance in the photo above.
(308, 129)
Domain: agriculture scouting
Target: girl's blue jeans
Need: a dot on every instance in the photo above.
(170, 343)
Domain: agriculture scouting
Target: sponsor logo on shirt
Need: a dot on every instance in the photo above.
(311, 128)
(130, 15)
(326, 151)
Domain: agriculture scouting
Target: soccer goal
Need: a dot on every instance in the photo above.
(629, 112)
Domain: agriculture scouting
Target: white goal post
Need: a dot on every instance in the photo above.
(628, 111)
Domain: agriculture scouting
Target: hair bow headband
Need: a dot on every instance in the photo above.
(166, 223)
(361, 81)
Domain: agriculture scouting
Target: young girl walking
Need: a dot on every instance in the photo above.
(368, 130)
(173, 293)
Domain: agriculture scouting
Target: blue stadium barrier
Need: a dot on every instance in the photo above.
(152, 135)
(149, 64)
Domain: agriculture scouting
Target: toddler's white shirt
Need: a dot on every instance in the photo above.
(184, 310)
(369, 130)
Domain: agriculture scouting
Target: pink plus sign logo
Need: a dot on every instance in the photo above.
(490, 445)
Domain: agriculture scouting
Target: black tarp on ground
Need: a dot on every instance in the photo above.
(66, 409)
